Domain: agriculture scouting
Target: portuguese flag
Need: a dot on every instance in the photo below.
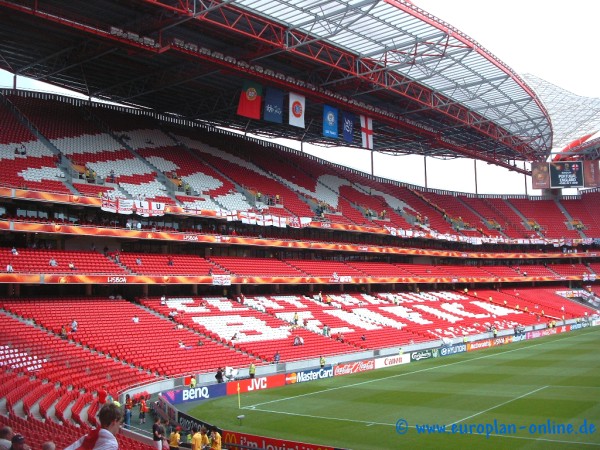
(250, 100)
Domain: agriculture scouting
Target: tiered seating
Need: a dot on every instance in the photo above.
(76, 134)
(509, 220)
(97, 319)
(257, 266)
(425, 210)
(36, 169)
(38, 261)
(351, 213)
(153, 264)
(569, 269)
(587, 211)
(423, 270)
(379, 269)
(543, 302)
(485, 210)
(375, 205)
(258, 334)
(320, 268)
(501, 271)
(460, 212)
(251, 177)
(595, 267)
(32, 351)
(546, 213)
(462, 271)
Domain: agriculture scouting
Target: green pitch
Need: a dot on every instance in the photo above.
(538, 394)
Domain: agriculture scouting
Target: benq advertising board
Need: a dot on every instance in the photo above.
(309, 375)
(194, 394)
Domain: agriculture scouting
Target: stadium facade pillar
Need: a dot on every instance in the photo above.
(88, 290)
(194, 289)
(311, 288)
(144, 291)
(475, 175)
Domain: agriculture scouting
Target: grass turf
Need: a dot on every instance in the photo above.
(549, 382)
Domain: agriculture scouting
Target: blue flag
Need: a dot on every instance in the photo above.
(273, 111)
(330, 121)
(348, 125)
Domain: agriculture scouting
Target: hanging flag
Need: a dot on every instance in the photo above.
(296, 111)
(273, 110)
(366, 129)
(348, 126)
(249, 105)
(330, 121)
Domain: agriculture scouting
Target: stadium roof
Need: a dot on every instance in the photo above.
(575, 120)
(430, 89)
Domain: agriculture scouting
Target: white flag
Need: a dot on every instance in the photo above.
(366, 131)
(296, 112)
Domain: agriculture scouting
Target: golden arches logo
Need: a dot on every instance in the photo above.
(230, 438)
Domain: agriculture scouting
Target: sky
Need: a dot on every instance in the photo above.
(555, 41)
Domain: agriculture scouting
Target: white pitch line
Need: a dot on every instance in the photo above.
(339, 419)
(371, 423)
(402, 374)
(499, 405)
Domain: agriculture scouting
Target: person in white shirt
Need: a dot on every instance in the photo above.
(9, 268)
(103, 438)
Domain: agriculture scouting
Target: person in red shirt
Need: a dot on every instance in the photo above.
(143, 409)
(102, 395)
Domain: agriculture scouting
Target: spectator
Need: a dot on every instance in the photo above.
(276, 358)
(18, 443)
(215, 439)
(6, 435)
(102, 396)
(163, 300)
(72, 266)
(158, 433)
(143, 409)
(9, 268)
(104, 437)
(53, 262)
(138, 261)
(48, 445)
(74, 326)
(14, 251)
(170, 261)
(219, 375)
(298, 340)
(175, 439)
(135, 319)
(128, 407)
